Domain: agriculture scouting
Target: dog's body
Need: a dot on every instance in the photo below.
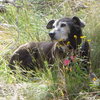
(67, 32)
(33, 54)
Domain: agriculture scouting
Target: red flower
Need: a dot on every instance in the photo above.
(73, 58)
(66, 62)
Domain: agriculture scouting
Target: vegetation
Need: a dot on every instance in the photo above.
(27, 23)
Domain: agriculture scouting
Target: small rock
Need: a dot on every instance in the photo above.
(95, 81)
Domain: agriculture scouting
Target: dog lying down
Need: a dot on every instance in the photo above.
(65, 37)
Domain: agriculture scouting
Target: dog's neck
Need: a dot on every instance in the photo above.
(67, 45)
(64, 44)
(63, 48)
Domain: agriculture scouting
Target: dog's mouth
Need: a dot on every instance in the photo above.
(60, 40)
(53, 39)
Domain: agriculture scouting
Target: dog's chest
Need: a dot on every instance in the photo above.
(62, 51)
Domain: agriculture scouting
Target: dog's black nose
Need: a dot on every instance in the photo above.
(52, 35)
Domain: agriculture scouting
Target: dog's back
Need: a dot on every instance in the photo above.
(31, 52)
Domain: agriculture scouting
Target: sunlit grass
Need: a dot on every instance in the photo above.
(29, 24)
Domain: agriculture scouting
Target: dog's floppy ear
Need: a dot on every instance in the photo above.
(78, 21)
(50, 24)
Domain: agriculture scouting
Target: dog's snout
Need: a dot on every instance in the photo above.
(52, 35)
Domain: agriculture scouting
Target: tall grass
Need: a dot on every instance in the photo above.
(29, 25)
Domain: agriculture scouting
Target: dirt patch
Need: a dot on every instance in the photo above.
(23, 91)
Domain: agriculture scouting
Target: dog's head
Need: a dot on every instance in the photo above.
(63, 28)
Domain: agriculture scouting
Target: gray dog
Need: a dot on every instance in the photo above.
(63, 32)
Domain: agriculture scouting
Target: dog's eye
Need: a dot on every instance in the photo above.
(63, 25)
